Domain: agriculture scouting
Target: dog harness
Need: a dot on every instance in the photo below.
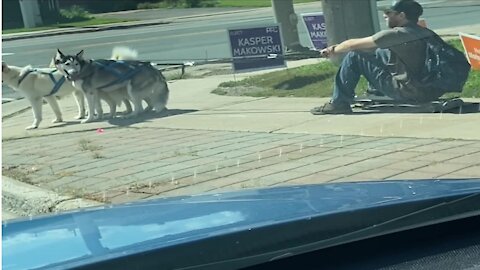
(110, 66)
(56, 84)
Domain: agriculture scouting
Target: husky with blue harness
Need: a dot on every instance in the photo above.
(37, 84)
(135, 80)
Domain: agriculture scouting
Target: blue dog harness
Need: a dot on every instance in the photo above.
(56, 84)
(111, 65)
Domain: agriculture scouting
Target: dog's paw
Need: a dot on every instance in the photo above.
(58, 120)
(31, 127)
(88, 120)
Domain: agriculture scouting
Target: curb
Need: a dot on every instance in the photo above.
(27, 200)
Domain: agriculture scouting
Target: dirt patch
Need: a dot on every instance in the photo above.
(20, 173)
(240, 90)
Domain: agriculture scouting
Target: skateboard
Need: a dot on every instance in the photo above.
(374, 102)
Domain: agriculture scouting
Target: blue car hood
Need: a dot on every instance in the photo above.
(94, 234)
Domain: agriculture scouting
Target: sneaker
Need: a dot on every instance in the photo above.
(330, 108)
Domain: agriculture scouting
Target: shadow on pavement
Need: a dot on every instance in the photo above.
(62, 124)
(146, 117)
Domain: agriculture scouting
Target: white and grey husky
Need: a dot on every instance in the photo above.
(38, 84)
(132, 79)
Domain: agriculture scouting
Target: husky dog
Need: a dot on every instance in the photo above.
(39, 84)
(115, 98)
(133, 79)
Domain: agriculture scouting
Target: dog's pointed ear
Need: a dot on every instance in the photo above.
(79, 55)
(60, 53)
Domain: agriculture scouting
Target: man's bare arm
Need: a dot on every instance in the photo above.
(350, 45)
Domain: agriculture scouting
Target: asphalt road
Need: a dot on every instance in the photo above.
(197, 38)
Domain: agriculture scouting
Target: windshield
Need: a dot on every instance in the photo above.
(110, 102)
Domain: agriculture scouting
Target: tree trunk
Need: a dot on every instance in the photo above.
(286, 17)
(346, 19)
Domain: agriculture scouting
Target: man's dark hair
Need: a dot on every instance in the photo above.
(412, 9)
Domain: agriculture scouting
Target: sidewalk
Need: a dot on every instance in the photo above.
(213, 143)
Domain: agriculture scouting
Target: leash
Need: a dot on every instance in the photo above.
(56, 84)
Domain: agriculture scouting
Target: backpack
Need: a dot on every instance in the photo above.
(446, 68)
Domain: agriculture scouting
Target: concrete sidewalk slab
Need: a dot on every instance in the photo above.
(192, 106)
(186, 96)
(420, 125)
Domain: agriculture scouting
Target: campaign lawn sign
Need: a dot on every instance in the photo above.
(256, 48)
(316, 28)
(471, 44)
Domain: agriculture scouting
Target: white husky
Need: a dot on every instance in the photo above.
(39, 84)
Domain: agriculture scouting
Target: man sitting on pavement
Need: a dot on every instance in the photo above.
(400, 52)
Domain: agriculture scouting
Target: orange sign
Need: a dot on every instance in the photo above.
(472, 49)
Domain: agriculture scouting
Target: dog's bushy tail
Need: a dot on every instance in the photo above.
(124, 53)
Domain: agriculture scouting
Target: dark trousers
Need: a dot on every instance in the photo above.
(373, 66)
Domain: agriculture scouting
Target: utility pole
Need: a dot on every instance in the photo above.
(286, 17)
(346, 19)
(30, 13)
